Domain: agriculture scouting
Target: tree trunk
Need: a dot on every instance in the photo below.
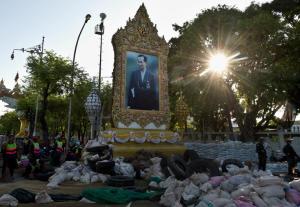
(44, 108)
(31, 125)
(230, 128)
(248, 130)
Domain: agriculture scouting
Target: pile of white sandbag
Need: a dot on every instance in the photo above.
(71, 170)
(242, 188)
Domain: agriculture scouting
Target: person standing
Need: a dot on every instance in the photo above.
(9, 157)
(58, 152)
(36, 151)
(291, 156)
(142, 88)
(26, 146)
(262, 154)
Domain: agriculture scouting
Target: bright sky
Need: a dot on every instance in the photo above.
(23, 23)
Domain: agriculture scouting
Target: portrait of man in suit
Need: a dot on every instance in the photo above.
(142, 84)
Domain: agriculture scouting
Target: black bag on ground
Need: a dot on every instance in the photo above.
(120, 181)
(190, 155)
(23, 196)
(105, 167)
(203, 165)
(97, 149)
(65, 197)
(43, 176)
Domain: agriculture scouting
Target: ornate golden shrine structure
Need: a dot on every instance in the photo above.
(140, 129)
(10, 97)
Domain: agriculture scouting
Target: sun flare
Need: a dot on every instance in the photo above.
(218, 63)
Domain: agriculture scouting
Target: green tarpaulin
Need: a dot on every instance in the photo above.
(116, 195)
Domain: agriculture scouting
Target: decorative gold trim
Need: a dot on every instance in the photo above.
(139, 35)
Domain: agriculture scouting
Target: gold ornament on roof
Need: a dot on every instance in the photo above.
(181, 111)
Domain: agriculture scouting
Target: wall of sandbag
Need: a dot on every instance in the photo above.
(226, 150)
(237, 149)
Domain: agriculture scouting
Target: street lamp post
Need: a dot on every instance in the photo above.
(87, 18)
(39, 49)
(99, 30)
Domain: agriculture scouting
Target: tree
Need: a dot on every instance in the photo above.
(9, 123)
(80, 122)
(251, 91)
(57, 114)
(106, 98)
(49, 76)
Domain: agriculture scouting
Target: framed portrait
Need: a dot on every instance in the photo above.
(140, 76)
(142, 81)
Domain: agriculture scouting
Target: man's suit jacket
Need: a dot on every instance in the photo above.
(142, 93)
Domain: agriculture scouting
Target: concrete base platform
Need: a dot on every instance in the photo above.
(129, 149)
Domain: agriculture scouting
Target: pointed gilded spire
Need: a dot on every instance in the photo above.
(17, 77)
(142, 11)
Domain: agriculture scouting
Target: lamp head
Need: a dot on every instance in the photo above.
(12, 56)
(102, 16)
(87, 18)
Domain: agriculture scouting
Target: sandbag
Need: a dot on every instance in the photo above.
(169, 181)
(8, 200)
(268, 180)
(216, 180)
(190, 192)
(230, 205)
(168, 199)
(205, 203)
(155, 169)
(210, 196)
(257, 200)
(199, 178)
(86, 178)
(292, 196)
(220, 202)
(84, 200)
(206, 187)
(43, 197)
(227, 186)
(23, 196)
(239, 179)
(272, 201)
(241, 203)
(231, 162)
(122, 168)
(295, 184)
(244, 191)
(271, 191)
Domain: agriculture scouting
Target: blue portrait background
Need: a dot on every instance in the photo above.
(131, 65)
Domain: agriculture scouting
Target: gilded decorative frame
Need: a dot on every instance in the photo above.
(139, 35)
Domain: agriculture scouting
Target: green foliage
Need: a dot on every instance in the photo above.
(9, 123)
(57, 114)
(50, 77)
(263, 74)
(106, 99)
